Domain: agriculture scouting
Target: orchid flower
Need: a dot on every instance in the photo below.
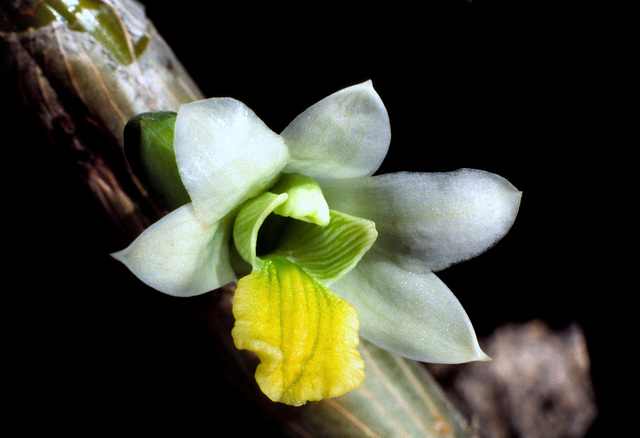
(322, 251)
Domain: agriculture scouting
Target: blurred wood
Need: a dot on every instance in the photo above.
(538, 384)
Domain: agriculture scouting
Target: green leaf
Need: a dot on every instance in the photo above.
(149, 149)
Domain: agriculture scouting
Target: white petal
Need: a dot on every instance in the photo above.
(345, 135)
(429, 221)
(413, 315)
(180, 255)
(225, 155)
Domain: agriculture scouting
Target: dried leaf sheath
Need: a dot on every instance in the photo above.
(83, 94)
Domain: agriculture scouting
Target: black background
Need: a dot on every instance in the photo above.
(515, 90)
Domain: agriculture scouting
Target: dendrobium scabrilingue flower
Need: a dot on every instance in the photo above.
(322, 250)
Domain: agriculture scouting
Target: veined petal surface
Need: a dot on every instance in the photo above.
(330, 252)
(413, 315)
(304, 335)
(225, 155)
(429, 221)
(180, 255)
(345, 135)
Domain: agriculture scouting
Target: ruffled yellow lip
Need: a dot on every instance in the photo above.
(304, 335)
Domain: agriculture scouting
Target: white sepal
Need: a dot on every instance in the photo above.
(225, 155)
(429, 221)
(181, 255)
(413, 315)
(345, 135)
